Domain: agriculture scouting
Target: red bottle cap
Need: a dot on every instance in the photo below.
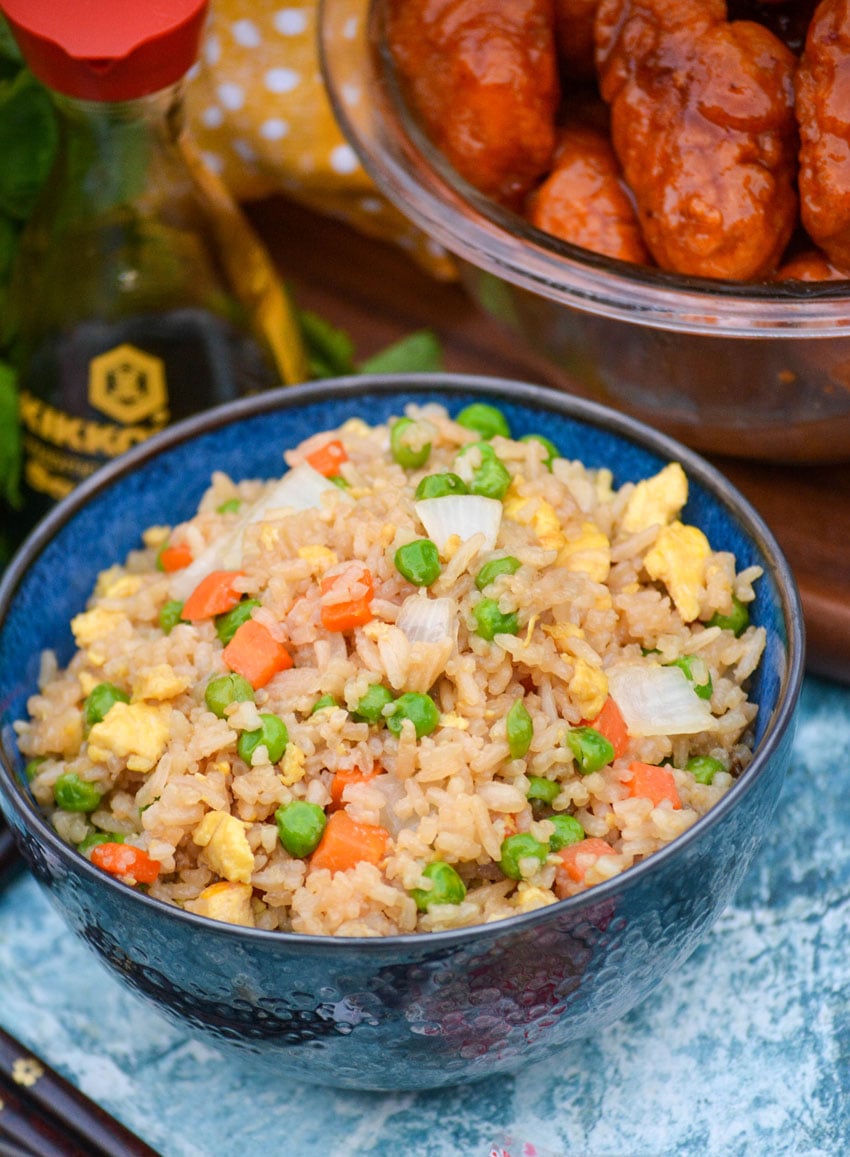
(107, 50)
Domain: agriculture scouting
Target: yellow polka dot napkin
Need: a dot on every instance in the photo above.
(258, 110)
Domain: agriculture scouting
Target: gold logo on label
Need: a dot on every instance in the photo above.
(127, 384)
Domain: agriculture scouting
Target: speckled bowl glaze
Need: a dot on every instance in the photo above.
(755, 370)
(404, 1011)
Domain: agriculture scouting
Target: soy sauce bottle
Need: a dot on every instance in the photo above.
(140, 293)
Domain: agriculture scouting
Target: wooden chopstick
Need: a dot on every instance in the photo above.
(26, 1132)
(40, 1108)
(10, 860)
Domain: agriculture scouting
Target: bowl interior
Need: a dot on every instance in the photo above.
(162, 481)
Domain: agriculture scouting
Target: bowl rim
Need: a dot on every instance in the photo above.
(445, 384)
(412, 174)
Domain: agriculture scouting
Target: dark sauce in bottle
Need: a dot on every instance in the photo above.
(105, 387)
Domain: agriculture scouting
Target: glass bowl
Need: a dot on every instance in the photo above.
(758, 371)
(404, 1011)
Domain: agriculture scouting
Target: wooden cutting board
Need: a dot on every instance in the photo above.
(375, 293)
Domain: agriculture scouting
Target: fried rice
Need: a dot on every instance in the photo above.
(455, 741)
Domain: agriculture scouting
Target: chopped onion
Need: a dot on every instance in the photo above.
(425, 620)
(301, 488)
(657, 700)
(461, 515)
(393, 792)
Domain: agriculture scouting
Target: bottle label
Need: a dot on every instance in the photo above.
(128, 387)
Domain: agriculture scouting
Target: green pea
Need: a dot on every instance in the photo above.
(704, 768)
(406, 446)
(490, 621)
(737, 620)
(99, 700)
(300, 826)
(567, 831)
(370, 708)
(421, 710)
(552, 451)
(491, 570)
(492, 479)
(228, 624)
(418, 562)
(170, 614)
(73, 794)
(321, 704)
(33, 767)
(95, 838)
(521, 846)
(590, 748)
(271, 734)
(227, 689)
(439, 485)
(447, 886)
(230, 507)
(158, 559)
(519, 729)
(540, 788)
(339, 482)
(697, 672)
(485, 419)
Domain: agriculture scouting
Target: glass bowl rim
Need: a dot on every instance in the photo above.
(413, 175)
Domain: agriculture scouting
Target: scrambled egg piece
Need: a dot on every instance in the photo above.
(106, 578)
(530, 896)
(87, 682)
(356, 427)
(226, 849)
(589, 688)
(541, 516)
(562, 633)
(604, 485)
(589, 551)
(225, 901)
(589, 683)
(137, 732)
(89, 626)
(320, 558)
(121, 587)
(678, 559)
(293, 765)
(656, 500)
(269, 537)
(450, 719)
(159, 682)
(547, 527)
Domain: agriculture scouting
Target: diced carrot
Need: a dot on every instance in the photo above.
(653, 783)
(214, 595)
(125, 861)
(577, 858)
(344, 777)
(172, 558)
(610, 723)
(345, 843)
(327, 459)
(255, 654)
(344, 614)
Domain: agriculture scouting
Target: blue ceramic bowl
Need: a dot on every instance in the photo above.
(404, 1011)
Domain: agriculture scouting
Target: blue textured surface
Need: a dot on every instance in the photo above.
(745, 1049)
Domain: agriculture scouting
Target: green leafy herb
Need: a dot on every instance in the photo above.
(9, 53)
(419, 352)
(27, 143)
(330, 351)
